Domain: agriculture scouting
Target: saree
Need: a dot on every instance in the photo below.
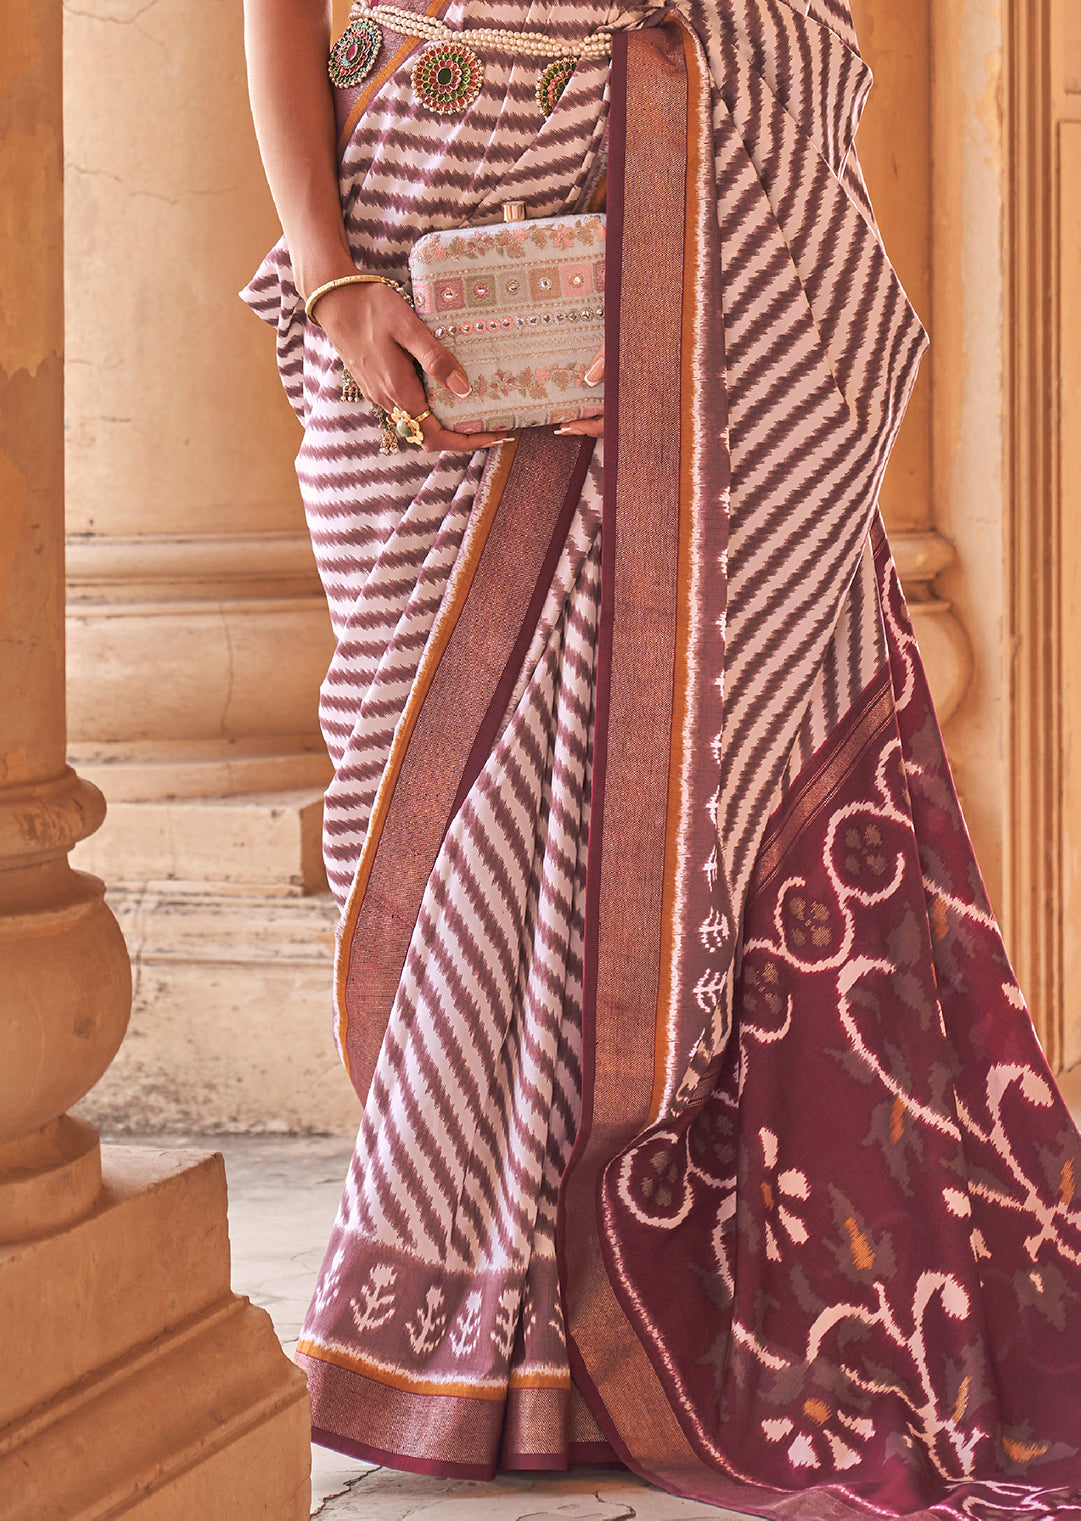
(705, 1129)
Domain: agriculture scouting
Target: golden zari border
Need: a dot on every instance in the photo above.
(507, 559)
(476, 538)
(660, 215)
(399, 1378)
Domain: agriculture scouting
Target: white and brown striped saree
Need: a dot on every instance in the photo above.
(704, 1126)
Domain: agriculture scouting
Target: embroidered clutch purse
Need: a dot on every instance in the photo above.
(521, 306)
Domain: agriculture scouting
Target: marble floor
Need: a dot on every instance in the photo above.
(283, 1192)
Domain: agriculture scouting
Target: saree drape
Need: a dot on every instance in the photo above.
(705, 1127)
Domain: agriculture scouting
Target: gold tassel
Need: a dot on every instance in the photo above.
(389, 442)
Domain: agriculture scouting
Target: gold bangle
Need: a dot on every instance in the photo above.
(358, 279)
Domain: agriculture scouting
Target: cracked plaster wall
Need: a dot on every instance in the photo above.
(177, 421)
(197, 632)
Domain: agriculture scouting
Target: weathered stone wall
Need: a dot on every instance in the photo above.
(197, 630)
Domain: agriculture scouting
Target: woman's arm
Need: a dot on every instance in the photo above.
(287, 42)
(374, 331)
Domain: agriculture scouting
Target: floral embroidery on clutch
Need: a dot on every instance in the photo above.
(521, 305)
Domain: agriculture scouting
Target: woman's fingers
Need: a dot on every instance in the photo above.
(435, 435)
(378, 337)
(373, 322)
(406, 391)
(585, 427)
(589, 427)
(438, 437)
(430, 354)
(438, 362)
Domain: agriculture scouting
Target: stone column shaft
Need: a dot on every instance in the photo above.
(197, 629)
(114, 1269)
(65, 972)
(896, 150)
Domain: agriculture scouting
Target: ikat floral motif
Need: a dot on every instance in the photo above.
(882, 1170)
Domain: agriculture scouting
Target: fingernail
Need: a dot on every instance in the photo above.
(565, 429)
(595, 374)
(459, 384)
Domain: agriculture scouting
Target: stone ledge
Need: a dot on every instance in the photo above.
(153, 1253)
(180, 567)
(231, 1025)
(228, 1435)
(196, 670)
(150, 770)
(269, 842)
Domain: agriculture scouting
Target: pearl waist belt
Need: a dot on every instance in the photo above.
(448, 75)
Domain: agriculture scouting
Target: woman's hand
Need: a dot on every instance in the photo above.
(589, 427)
(378, 336)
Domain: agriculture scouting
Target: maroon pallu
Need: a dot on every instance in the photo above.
(705, 1126)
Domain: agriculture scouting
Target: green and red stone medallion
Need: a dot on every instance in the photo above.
(354, 53)
(447, 77)
(552, 82)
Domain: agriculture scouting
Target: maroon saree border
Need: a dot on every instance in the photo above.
(579, 1455)
(534, 1427)
(430, 766)
(813, 788)
(489, 729)
(617, 152)
(432, 1468)
(647, 191)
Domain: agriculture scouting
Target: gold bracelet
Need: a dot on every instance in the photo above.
(358, 279)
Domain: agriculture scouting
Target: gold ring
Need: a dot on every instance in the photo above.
(409, 427)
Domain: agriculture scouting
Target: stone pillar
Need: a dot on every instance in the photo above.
(933, 173)
(972, 408)
(197, 631)
(896, 41)
(134, 1381)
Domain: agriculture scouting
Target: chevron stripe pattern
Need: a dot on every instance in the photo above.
(385, 564)
(484, 1023)
(821, 350)
(441, 1274)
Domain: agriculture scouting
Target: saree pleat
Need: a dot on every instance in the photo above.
(705, 1127)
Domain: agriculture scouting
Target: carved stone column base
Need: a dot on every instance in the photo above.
(946, 652)
(145, 1387)
(49, 1179)
(944, 645)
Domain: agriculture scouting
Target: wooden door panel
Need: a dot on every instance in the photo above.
(1069, 490)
